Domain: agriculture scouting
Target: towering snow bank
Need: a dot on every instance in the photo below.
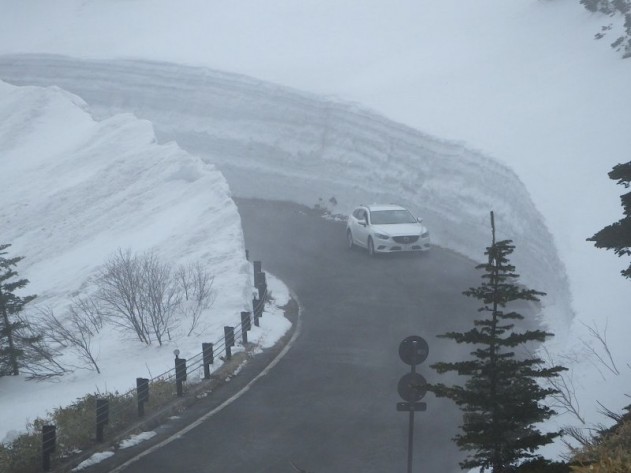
(278, 143)
(73, 190)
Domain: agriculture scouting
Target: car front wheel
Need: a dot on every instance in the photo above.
(371, 247)
(349, 240)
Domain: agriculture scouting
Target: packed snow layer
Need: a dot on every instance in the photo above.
(278, 143)
(74, 190)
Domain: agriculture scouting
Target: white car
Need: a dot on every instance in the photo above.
(386, 228)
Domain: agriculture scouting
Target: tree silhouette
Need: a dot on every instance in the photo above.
(15, 335)
(617, 236)
(501, 399)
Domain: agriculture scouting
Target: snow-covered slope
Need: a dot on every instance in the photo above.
(73, 191)
(278, 143)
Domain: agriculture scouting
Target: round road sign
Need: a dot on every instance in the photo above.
(412, 387)
(413, 350)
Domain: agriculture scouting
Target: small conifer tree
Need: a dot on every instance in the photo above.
(501, 399)
(617, 236)
(14, 333)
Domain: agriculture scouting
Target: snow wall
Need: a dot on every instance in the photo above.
(273, 142)
(74, 191)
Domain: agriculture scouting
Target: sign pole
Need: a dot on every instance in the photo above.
(411, 428)
(410, 441)
(412, 386)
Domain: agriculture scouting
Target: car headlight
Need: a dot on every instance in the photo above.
(381, 236)
(425, 235)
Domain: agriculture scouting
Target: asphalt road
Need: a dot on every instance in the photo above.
(328, 406)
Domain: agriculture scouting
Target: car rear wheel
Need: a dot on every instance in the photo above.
(349, 240)
(371, 247)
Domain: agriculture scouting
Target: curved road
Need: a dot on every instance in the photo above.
(329, 405)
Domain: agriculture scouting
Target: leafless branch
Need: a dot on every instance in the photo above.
(584, 437)
(144, 295)
(565, 398)
(75, 332)
(87, 308)
(196, 285)
(605, 359)
(159, 295)
(40, 357)
(119, 285)
(615, 416)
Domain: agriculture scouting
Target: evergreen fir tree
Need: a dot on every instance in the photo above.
(617, 236)
(501, 399)
(14, 333)
(623, 6)
(597, 5)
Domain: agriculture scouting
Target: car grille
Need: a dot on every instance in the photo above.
(405, 239)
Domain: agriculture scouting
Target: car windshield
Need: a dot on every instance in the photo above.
(386, 217)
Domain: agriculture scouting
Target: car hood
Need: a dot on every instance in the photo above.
(400, 229)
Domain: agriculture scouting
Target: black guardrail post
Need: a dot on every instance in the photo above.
(208, 357)
(229, 336)
(142, 393)
(260, 283)
(180, 374)
(49, 440)
(255, 311)
(262, 289)
(102, 417)
(246, 325)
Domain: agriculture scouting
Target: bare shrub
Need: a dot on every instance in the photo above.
(564, 399)
(159, 296)
(40, 359)
(197, 294)
(144, 295)
(119, 287)
(88, 309)
(76, 331)
(594, 348)
(601, 354)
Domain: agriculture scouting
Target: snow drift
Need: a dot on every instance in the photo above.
(275, 142)
(74, 190)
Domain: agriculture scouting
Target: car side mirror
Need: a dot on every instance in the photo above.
(362, 222)
(420, 220)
